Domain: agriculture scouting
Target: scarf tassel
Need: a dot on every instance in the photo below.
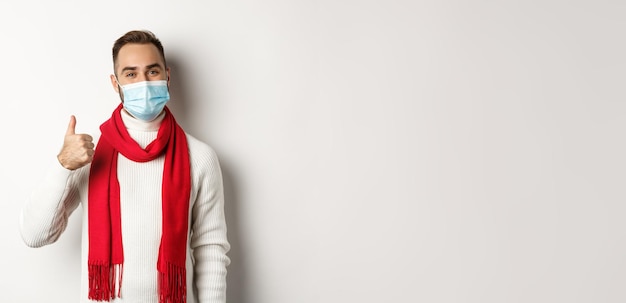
(104, 279)
(173, 284)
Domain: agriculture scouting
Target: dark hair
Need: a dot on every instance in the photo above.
(139, 37)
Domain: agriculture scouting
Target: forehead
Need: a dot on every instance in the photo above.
(138, 55)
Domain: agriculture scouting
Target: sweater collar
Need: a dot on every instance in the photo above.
(133, 123)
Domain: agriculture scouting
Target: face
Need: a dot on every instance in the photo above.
(137, 63)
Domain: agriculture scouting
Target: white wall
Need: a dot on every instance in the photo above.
(373, 151)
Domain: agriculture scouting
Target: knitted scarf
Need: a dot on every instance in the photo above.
(106, 255)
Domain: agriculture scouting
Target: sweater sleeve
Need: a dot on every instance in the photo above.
(208, 240)
(45, 214)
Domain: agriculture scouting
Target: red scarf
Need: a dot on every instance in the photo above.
(106, 255)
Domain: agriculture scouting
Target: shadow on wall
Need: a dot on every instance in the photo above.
(236, 291)
(181, 106)
(178, 93)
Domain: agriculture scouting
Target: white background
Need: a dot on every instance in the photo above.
(372, 151)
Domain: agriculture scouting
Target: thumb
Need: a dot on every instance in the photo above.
(71, 128)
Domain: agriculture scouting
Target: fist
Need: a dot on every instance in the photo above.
(77, 149)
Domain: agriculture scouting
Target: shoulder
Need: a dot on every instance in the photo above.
(200, 153)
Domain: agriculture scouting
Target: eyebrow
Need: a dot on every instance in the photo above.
(134, 68)
(153, 65)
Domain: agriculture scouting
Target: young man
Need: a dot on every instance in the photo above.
(152, 195)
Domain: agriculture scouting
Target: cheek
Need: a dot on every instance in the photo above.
(119, 92)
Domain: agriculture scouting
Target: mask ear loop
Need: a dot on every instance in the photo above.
(119, 88)
(118, 82)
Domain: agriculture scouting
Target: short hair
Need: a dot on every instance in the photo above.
(138, 37)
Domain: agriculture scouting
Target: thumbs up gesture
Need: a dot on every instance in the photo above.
(77, 150)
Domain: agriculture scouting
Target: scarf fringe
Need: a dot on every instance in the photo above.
(173, 284)
(104, 279)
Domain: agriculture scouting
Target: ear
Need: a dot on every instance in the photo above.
(167, 72)
(114, 84)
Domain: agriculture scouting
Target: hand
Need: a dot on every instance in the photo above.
(77, 149)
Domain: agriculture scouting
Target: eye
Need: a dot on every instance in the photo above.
(153, 72)
(129, 75)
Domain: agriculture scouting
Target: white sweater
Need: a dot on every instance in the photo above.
(45, 215)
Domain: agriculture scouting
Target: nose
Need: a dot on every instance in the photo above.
(142, 77)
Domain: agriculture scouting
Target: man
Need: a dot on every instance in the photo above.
(152, 197)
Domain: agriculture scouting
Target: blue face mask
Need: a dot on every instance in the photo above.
(145, 100)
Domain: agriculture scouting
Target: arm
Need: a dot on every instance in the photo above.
(45, 215)
(208, 239)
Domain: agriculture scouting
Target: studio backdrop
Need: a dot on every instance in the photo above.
(372, 151)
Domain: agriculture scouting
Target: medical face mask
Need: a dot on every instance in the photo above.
(145, 100)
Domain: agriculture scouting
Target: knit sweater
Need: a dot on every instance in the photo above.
(45, 215)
